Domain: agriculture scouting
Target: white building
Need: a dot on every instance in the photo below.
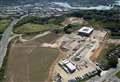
(67, 66)
(71, 67)
(85, 31)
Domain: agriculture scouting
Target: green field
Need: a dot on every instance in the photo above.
(3, 24)
(118, 74)
(31, 28)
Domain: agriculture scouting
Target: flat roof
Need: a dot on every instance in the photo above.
(71, 66)
(65, 61)
(86, 30)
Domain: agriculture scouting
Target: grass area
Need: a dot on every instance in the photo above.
(115, 37)
(118, 74)
(34, 24)
(3, 24)
(96, 24)
(31, 28)
(76, 26)
(71, 27)
(57, 20)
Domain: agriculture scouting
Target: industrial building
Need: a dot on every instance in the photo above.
(85, 31)
(68, 66)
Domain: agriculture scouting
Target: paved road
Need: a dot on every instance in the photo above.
(108, 75)
(5, 39)
(111, 72)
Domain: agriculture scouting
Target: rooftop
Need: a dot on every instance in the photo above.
(71, 66)
(86, 30)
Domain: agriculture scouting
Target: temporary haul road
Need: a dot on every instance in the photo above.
(5, 39)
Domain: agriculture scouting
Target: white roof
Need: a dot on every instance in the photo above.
(65, 61)
(103, 73)
(86, 29)
(71, 66)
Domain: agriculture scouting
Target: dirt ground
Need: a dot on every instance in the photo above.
(73, 20)
(97, 53)
(28, 62)
(51, 72)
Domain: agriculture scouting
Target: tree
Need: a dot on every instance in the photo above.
(113, 61)
(67, 29)
(57, 30)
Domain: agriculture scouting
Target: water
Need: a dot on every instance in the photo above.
(98, 7)
(117, 2)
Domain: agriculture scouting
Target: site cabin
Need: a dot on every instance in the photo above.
(85, 31)
(67, 66)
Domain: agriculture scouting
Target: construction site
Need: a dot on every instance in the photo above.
(52, 57)
(78, 47)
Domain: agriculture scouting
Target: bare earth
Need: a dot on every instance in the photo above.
(96, 54)
(28, 62)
